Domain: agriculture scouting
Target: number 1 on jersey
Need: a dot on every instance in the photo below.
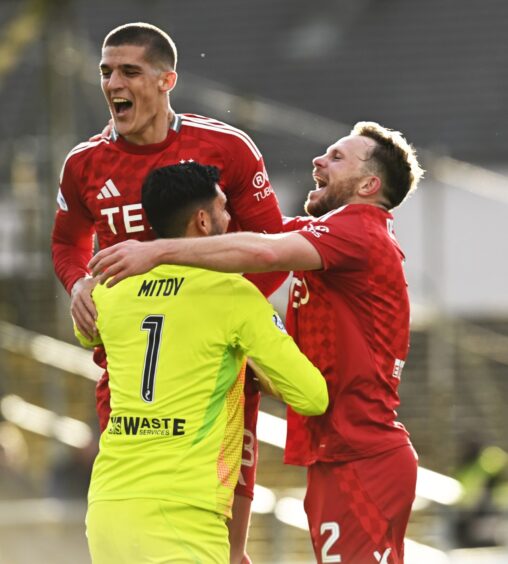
(153, 324)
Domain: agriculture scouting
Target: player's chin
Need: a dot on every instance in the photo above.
(122, 126)
(312, 205)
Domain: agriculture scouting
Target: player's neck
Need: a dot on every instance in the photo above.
(371, 201)
(156, 131)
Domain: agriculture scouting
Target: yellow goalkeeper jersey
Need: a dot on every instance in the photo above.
(176, 339)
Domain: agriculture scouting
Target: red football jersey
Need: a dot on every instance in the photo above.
(100, 190)
(352, 321)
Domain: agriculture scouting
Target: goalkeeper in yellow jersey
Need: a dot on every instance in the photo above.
(176, 339)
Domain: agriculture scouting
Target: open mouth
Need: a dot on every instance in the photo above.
(121, 105)
(320, 182)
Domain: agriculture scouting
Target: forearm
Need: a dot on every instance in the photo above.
(233, 252)
(290, 376)
(70, 263)
(71, 247)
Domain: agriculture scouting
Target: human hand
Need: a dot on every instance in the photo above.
(105, 133)
(122, 260)
(259, 381)
(83, 308)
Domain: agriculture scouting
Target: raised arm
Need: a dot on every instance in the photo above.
(233, 252)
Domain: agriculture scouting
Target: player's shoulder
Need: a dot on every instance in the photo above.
(368, 223)
(247, 296)
(84, 150)
(352, 213)
(219, 132)
(295, 223)
(234, 285)
(346, 213)
(230, 281)
(204, 122)
(377, 221)
(346, 222)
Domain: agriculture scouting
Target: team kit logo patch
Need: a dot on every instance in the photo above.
(62, 204)
(278, 322)
(261, 185)
(259, 180)
(109, 190)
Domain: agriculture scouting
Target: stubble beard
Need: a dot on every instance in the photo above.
(340, 196)
(218, 227)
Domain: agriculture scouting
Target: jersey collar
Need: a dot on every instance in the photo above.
(173, 130)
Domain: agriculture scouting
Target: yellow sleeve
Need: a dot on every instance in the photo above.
(262, 336)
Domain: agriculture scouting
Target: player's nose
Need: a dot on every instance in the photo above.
(115, 81)
(318, 161)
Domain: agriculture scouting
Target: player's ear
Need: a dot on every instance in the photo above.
(202, 223)
(167, 81)
(370, 186)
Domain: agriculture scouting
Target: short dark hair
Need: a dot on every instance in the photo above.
(160, 48)
(171, 194)
(394, 159)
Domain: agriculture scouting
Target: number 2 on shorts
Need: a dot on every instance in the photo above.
(334, 529)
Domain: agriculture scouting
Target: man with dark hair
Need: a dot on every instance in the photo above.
(189, 185)
(160, 49)
(349, 313)
(100, 194)
(176, 339)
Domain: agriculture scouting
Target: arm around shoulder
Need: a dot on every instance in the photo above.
(245, 252)
(233, 252)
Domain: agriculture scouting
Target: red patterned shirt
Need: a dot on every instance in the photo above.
(351, 319)
(100, 190)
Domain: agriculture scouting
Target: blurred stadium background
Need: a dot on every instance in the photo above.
(296, 75)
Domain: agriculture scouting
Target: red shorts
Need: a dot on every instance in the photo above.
(358, 511)
(247, 477)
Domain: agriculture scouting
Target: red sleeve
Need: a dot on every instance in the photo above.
(295, 223)
(340, 239)
(73, 230)
(252, 201)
